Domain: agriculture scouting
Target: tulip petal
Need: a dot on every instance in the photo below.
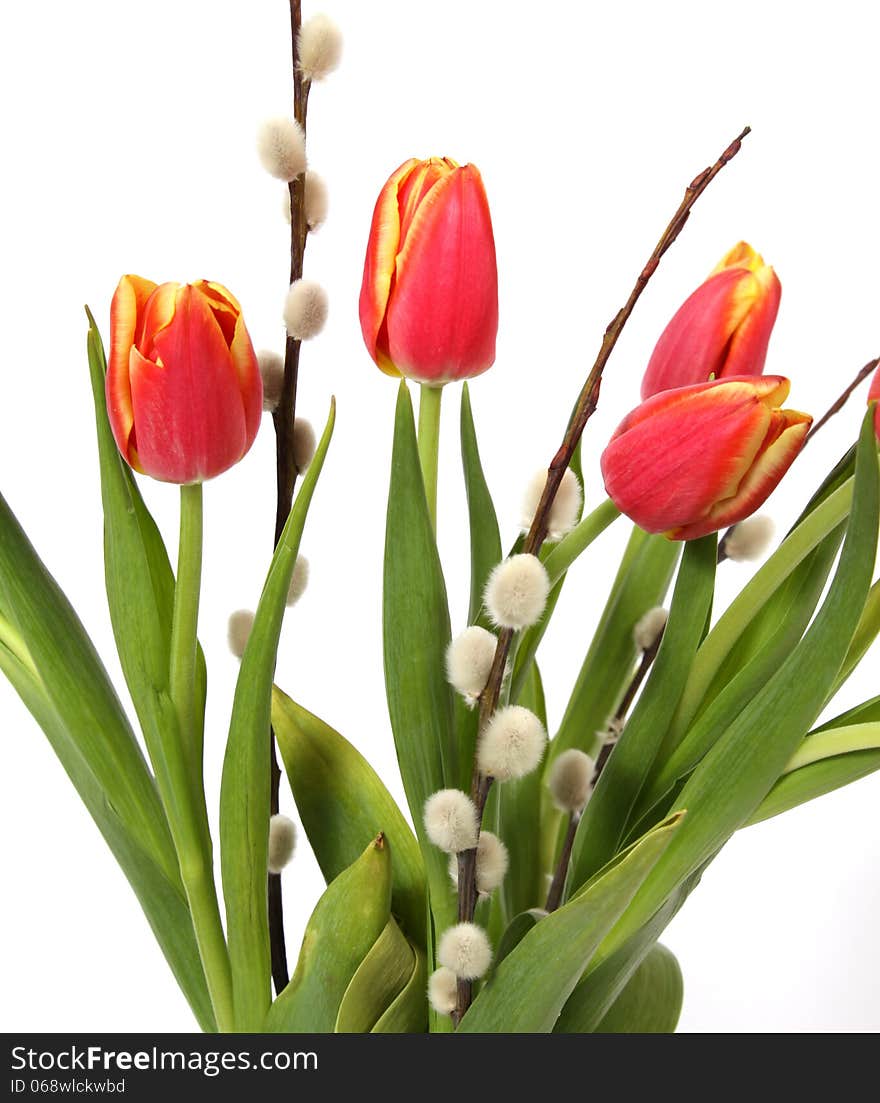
(227, 311)
(190, 420)
(128, 304)
(682, 451)
(379, 263)
(694, 344)
(786, 437)
(443, 316)
(874, 396)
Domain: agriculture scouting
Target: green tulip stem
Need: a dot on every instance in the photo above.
(184, 625)
(189, 819)
(429, 443)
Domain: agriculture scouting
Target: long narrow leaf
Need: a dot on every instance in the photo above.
(244, 791)
(379, 980)
(343, 804)
(651, 1001)
(530, 986)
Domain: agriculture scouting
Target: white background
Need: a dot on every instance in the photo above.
(129, 147)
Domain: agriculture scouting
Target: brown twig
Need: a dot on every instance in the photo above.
(286, 471)
(554, 896)
(837, 406)
(833, 409)
(586, 405)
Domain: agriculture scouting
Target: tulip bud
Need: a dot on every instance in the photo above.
(566, 505)
(492, 863)
(874, 396)
(511, 745)
(469, 659)
(315, 200)
(238, 631)
(298, 580)
(319, 47)
(723, 329)
(184, 395)
(451, 821)
(281, 146)
(443, 990)
(305, 309)
(272, 373)
(570, 780)
(690, 461)
(517, 591)
(749, 539)
(303, 444)
(464, 949)
(282, 842)
(649, 628)
(429, 298)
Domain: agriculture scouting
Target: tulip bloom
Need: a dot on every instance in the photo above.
(690, 461)
(429, 298)
(184, 394)
(874, 396)
(723, 329)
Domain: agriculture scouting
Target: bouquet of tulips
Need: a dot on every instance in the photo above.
(528, 885)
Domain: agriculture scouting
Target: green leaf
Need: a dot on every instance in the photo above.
(379, 980)
(530, 986)
(79, 689)
(244, 790)
(343, 804)
(485, 537)
(159, 894)
(416, 634)
(602, 825)
(516, 931)
(347, 921)
(866, 634)
(815, 780)
(741, 612)
(789, 609)
(408, 1014)
(641, 583)
(741, 768)
(651, 1001)
(608, 973)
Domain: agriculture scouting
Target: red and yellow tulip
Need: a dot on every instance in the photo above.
(429, 298)
(184, 394)
(874, 396)
(692, 460)
(722, 329)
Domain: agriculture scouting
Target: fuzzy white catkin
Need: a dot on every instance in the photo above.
(299, 580)
(493, 861)
(320, 47)
(750, 538)
(566, 506)
(512, 744)
(303, 444)
(468, 661)
(282, 842)
(315, 200)
(305, 309)
(517, 591)
(443, 990)
(570, 780)
(649, 628)
(281, 146)
(272, 373)
(451, 820)
(238, 630)
(464, 949)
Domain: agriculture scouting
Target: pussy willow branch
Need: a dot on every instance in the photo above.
(648, 657)
(285, 467)
(833, 409)
(586, 406)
